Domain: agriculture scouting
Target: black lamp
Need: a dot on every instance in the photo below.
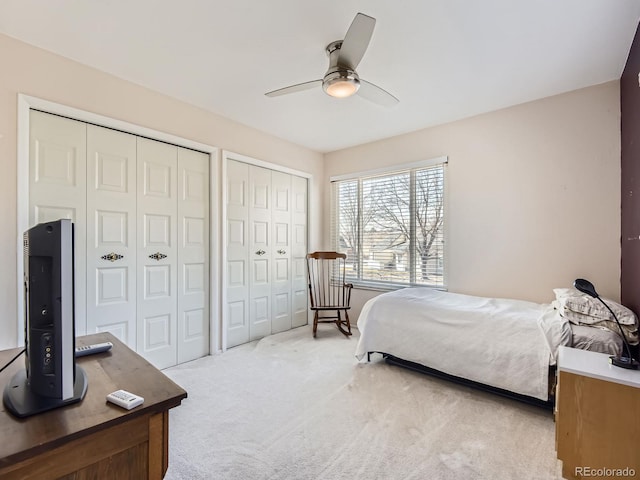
(585, 286)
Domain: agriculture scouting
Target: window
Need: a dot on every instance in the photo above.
(391, 225)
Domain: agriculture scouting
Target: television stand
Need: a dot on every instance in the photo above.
(94, 438)
(22, 402)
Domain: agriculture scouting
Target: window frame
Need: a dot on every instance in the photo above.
(359, 177)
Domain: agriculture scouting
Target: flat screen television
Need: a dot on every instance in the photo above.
(51, 378)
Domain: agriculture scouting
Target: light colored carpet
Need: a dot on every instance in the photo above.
(293, 407)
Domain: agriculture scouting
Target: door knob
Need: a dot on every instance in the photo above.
(260, 252)
(281, 252)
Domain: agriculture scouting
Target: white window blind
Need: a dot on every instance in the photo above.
(391, 226)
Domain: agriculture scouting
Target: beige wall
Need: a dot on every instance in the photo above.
(29, 70)
(533, 194)
(533, 190)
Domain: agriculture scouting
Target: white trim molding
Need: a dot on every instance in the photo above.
(227, 155)
(390, 169)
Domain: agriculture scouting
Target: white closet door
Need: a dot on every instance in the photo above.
(157, 252)
(111, 233)
(57, 187)
(141, 215)
(237, 259)
(281, 299)
(260, 255)
(266, 242)
(299, 251)
(193, 255)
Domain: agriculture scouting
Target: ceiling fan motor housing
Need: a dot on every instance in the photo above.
(340, 80)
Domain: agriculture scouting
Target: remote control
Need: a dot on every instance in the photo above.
(91, 349)
(125, 399)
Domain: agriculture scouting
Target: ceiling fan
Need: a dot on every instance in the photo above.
(341, 79)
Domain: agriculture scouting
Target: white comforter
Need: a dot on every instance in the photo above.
(504, 343)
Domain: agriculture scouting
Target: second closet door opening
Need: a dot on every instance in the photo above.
(266, 217)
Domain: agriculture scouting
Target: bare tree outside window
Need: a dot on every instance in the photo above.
(385, 239)
(430, 223)
(348, 222)
(392, 226)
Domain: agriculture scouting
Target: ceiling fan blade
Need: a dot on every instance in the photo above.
(356, 41)
(375, 94)
(294, 88)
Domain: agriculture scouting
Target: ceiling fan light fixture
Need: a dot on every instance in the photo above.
(341, 84)
(341, 79)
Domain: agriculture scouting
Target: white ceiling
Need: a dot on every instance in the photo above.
(444, 59)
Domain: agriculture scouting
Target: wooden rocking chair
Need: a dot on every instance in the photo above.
(328, 290)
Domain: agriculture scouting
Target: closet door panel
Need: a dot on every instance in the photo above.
(259, 252)
(281, 312)
(237, 258)
(266, 240)
(111, 233)
(157, 252)
(193, 255)
(141, 221)
(57, 187)
(299, 251)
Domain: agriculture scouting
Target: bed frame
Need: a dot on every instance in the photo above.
(416, 367)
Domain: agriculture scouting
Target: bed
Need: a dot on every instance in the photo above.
(504, 344)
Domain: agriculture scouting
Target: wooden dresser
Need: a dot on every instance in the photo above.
(597, 417)
(93, 438)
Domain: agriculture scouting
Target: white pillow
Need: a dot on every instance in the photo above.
(581, 309)
(584, 305)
